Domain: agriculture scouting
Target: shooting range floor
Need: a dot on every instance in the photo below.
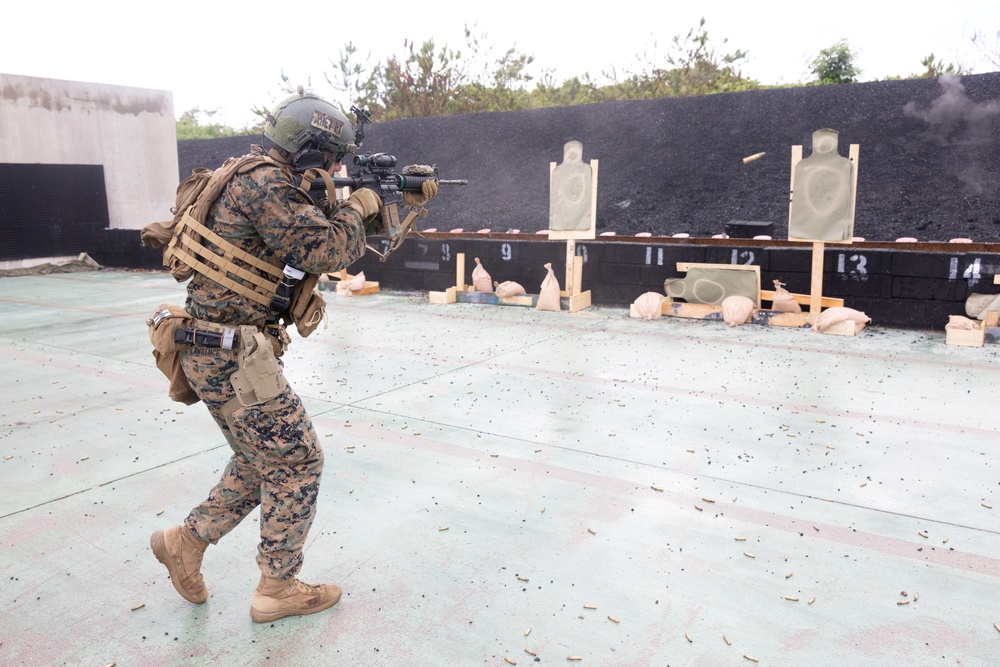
(500, 479)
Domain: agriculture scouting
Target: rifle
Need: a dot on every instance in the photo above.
(375, 172)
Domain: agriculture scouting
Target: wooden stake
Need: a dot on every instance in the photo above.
(816, 289)
(571, 280)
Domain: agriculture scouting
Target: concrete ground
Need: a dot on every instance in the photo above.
(500, 480)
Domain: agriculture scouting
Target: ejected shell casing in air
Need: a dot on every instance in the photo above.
(755, 156)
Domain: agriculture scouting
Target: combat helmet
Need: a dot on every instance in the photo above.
(304, 126)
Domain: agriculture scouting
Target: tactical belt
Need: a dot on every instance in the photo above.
(227, 338)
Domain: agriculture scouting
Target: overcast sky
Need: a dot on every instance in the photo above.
(229, 56)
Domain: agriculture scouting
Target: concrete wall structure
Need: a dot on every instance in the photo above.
(130, 131)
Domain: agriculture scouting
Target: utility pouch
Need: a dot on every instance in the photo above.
(162, 325)
(258, 378)
(308, 308)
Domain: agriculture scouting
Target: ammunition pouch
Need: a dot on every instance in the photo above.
(163, 325)
(307, 308)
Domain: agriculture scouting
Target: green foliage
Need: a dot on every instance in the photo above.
(835, 64)
(188, 126)
(432, 81)
(934, 68)
(691, 66)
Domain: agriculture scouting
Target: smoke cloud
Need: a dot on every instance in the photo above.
(952, 117)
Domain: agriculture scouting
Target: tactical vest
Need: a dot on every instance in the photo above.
(183, 250)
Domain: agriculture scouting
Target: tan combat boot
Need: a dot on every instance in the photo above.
(276, 598)
(181, 551)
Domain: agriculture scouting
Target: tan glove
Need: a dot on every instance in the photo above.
(365, 203)
(427, 189)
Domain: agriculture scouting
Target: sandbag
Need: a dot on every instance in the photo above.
(783, 301)
(481, 281)
(962, 323)
(839, 314)
(977, 305)
(737, 310)
(355, 284)
(648, 306)
(548, 294)
(508, 288)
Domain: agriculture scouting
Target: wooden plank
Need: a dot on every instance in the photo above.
(996, 279)
(687, 266)
(796, 158)
(579, 301)
(816, 284)
(845, 328)
(775, 318)
(445, 297)
(700, 311)
(853, 154)
(570, 267)
(371, 287)
(965, 337)
(803, 299)
(460, 271)
(577, 274)
(697, 311)
(572, 304)
(990, 319)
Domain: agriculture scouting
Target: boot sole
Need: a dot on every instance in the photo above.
(159, 548)
(267, 617)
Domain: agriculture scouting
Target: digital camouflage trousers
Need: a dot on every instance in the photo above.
(277, 461)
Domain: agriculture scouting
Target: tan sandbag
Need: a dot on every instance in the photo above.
(481, 281)
(737, 310)
(355, 284)
(508, 288)
(783, 301)
(648, 306)
(548, 294)
(976, 305)
(839, 314)
(961, 322)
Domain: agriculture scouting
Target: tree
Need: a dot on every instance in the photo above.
(188, 126)
(934, 68)
(499, 85)
(989, 45)
(835, 64)
(358, 80)
(693, 67)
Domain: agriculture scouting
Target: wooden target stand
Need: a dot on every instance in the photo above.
(814, 300)
(988, 331)
(573, 298)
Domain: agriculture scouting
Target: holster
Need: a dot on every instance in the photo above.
(258, 378)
